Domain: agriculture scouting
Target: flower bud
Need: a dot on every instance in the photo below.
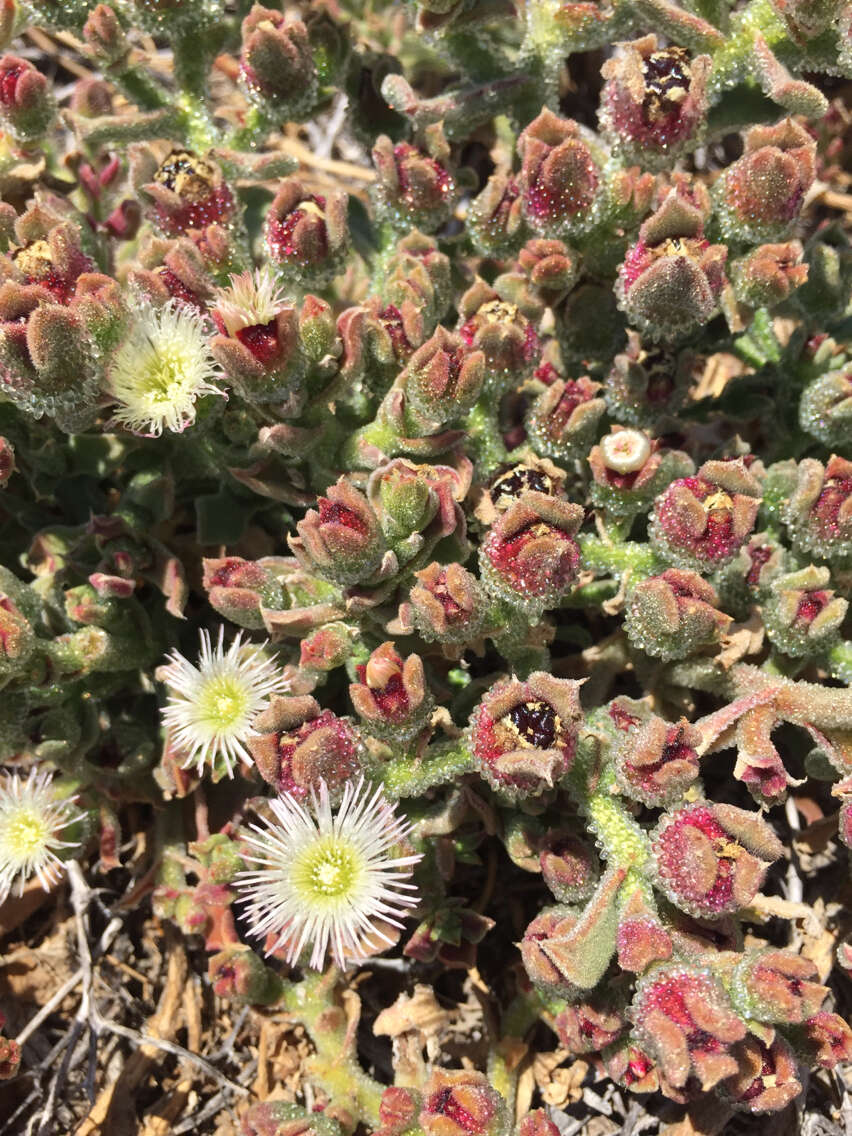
(629, 470)
(238, 589)
(560, 176)
(447, 604)
(824, 1040)
(685, 1021)
(443, 378)
(701, 522)
(641, 939)
(461, 1103)
(495, 220)
(766, 1079)
(537, 1123)
(105, 37)
(769, 275)
(297, 746)
(277, 69)
(776, 986)
(548, 271)
(672, 615)
(655, 761)
(414, 187)
(327, 648)
(10, 1056)
(280, 1118)
(567, 950)
(340, 540)
(825, 409)
(398, 1110)
(524, 734)
(569, 867)
(239, 975)
(654, 102)
(307, 235)
(589, 1026)
(760, 196)
(671, 278)
(563, 420)
(631, 1067)
(506, 338)
(712, 859)
(819, 510)
(646, 384)
(27, 106)
(391, 696)
(802, 614)
(419, 504)
(188, 193)
(530, 557)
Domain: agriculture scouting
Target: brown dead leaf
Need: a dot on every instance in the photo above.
(560, 1085)
(743, 639)
(419, 1011)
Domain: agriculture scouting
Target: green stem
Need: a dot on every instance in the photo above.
(614, 559)
(839, 661)
(139, 88)
(410, 776)
(483, 434)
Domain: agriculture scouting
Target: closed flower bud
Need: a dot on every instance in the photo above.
(549, 268)
(802, 614)
(317, 330)
(443, 378)
(552, 922)
(239, 588)
(10, 1056)
(655, 761)
(560, 177)
(27, 106)
(672, 615)
(417, 275)
(824, 1040)
(701, 522)
(654, 102)
(523, 836)
(280, 1118)
(447, 604)
(530, 557)
(495, 220)
(589, 1026)
(647, 384)
(825, 409)
(307, 235)
(684, 1020)
(391, 696)
(631, 1067)
(297, 745)
(524, 734)
(819, 510)
(569, 867)
(398, 1110)
(537, 1123)
(327, 648)
(188, 193)
(712, 859)
(670, 281)
(105, 37)
(414, 187)
(419, 504)
(641, 938)
(760, 196)
(239, 975)
(506, 338)
(776, 986)
(341, 539)
(767, 1078)
(277, 69)
(461, 1103)
(769, 275)
(17, 637)
(629, 470)
(563, 420)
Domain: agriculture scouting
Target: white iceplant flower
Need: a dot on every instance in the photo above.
(31, 820)
(159, 371)
(253, 298)
(326, 880)
(213, 705)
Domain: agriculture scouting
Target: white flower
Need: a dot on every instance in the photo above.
(214, 704)
(31, 818)
(161, 368)
(251, 299)
(326, 881)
